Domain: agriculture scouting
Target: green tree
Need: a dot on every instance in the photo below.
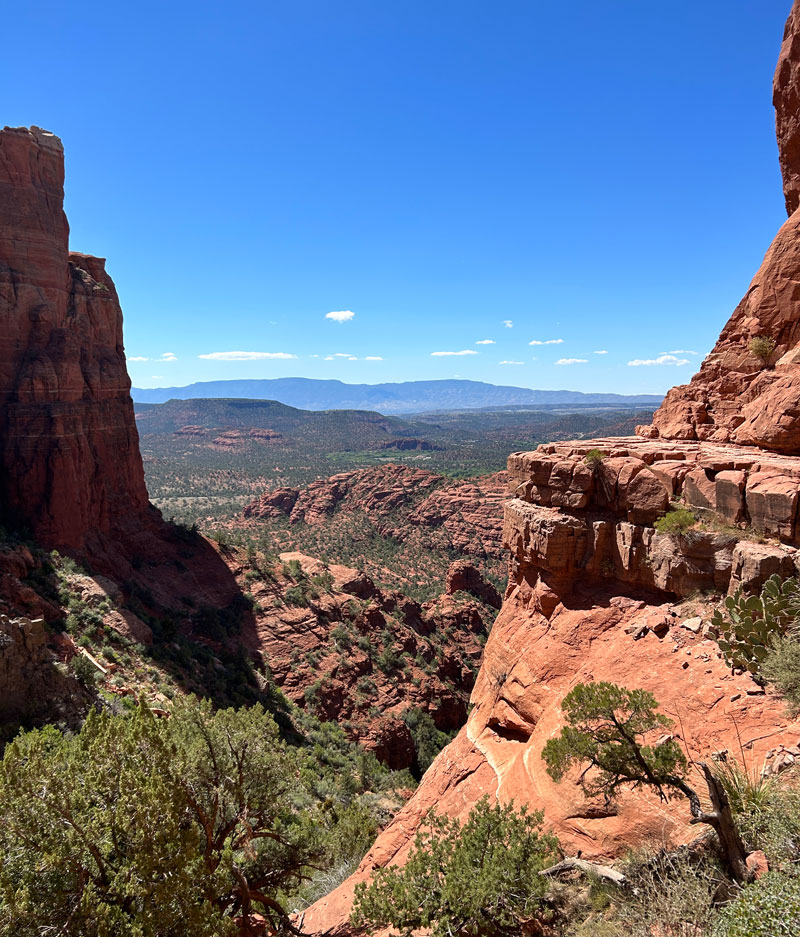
(605, 733)
(480, 879)
(142, 827)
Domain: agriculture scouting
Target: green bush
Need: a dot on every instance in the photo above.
(594, 457)
(142, 826)
(762, 346)
(481, 878)
(677, 521)
(751, 623)
(770, 907)
(781, 667)
(84, 670)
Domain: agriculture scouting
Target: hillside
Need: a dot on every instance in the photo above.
(406, 397)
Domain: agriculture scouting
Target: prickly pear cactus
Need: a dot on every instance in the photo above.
(750, 622)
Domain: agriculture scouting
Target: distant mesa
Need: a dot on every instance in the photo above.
(409, 445)
(407, 397)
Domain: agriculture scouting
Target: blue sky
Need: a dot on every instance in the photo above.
(603, 176)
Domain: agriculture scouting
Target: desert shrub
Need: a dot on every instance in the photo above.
(139, 826)
(84, 670)
(781, 667)
(667, 894)
(770, 907)
(479, 878)
(677, 521)
(751, 623)
(762, 346)
(428, 740)
(594, 457)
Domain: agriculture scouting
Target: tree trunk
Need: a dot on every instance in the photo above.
(721, 819)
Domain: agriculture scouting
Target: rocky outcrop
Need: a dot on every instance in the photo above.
(35, 689)
(786, 98)
(399, 501)
(69, 457)
(742, 393)
(338, 645)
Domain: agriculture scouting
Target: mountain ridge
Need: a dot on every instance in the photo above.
(404, 397)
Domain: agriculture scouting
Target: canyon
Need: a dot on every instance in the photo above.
(596, 591)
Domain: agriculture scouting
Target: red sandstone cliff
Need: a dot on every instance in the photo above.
(70, 463)
(70, 469)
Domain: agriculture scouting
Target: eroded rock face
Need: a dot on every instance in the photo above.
(786, 98)
(69, 455)
(739, 396)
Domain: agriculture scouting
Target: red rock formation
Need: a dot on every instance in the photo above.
(786, 98)
(739, 396)
(69, 457)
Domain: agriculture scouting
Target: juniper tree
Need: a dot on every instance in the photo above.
(606, 732)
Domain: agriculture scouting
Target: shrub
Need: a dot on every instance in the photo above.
(594, 457)
(762, 346)
(769, 907)
(781, 667)
(751, 623)
(84, 670)
(479, 878)
(677, 521)
(145, 826)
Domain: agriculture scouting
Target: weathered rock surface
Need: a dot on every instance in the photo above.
(786, 98)
(34, 688)
(738, 396)
(69, 457)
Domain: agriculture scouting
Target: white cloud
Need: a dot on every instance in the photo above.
(512, 362)
(168, 354)
(340, 354)
(344, 315)
(329, 358)
(448, 354)
(353, 358)
(680, 351)
(245, 355)
(486, 341)
(137, 358)
(550, 341)
(572, 361)
(599, 352)
(662, 359)
(508, 323)
(373, 358)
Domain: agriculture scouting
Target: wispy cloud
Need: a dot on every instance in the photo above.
(449, 354)
(486, 341)
(680, 351)
(662, 359)
(512, 362)
(343, 315)
(550, 341)
(340, 354)
(329, 358)
(373, 358)
(245, 355)
(600, 352)
(508, 323)
(137, 358)
(572, 361)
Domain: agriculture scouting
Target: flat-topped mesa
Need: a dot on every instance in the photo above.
(70, 469)
(746, 392)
